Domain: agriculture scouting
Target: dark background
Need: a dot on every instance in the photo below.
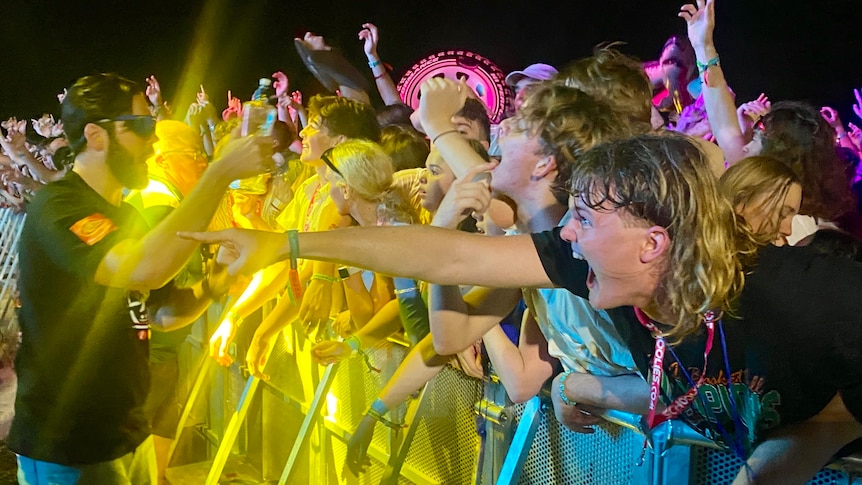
(788, 49)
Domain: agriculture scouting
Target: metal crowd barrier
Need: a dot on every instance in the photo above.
(11, 224)
(294, 429)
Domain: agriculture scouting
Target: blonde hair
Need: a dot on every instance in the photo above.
(368, 170)
(759, 180)
(666, 181)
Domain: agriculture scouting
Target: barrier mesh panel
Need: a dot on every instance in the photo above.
(713, 467)
(560, 456)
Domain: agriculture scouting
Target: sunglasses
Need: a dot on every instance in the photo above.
(328, 162)
(142, 125)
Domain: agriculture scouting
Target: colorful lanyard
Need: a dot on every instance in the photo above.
(680, 403)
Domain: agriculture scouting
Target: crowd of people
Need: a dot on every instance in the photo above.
(629, 235)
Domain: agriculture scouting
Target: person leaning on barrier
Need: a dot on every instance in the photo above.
(82, 365)
(661, 250)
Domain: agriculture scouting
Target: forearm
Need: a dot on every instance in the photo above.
(185, 306)
(419, 366)
(383, 324)
(720, 108)
(430, 254)
(453, 147)
(284, 312)
(152, 261)
(358, 299)
(265, 285)
(521, 375)
(629, 393)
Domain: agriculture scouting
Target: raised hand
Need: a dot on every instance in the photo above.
(700, 19)
(234, 107)
(470, 194)
(315, 42)
(369, 35)
(756, 109)
(62, 96)
(245, 157)
(297, 97)
(201, 97)
(441, 99)
(154, 91)
(855, 135)
(281, 84)
(857, 106)
(831, 117)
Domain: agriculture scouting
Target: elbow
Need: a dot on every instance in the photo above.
(520, 393)
(444, 346)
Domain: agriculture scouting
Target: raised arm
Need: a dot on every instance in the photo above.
(150, 262)
(720, 108)
(385, 85)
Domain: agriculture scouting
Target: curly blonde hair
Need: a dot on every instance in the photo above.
(666, 181)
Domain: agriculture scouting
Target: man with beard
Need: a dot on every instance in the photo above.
(87, 263)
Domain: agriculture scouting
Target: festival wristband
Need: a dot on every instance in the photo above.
(293, 274)
(354, 343)
(323, 277)
(562, 389)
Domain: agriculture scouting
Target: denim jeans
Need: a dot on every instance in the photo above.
(135, 468)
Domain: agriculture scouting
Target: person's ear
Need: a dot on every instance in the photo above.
(345, 190)
(543, 168)
(656, 244)
(97, 137)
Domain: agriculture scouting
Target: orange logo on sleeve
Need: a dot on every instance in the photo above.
(93, 229)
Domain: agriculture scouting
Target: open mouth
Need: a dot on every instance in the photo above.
(591, 279)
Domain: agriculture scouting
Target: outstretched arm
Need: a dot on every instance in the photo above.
(426, 253)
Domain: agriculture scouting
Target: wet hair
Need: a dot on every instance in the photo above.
(406, 146)
(568, 121)
(760, 180)
(474, 110)
(343, 116)
(615, 78)
(394, 114)
(795, 134)
(665, 180)
(93, 98)
(367, 170)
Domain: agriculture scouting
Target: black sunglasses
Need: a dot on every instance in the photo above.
(328, 162)
(142, 125)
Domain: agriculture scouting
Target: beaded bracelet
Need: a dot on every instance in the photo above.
(562, 389)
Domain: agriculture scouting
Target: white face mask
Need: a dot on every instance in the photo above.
(279, 160)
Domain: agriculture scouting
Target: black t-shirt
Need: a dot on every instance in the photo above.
(794, 342)
(82, 364)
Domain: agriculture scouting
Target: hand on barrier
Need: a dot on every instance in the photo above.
(330, 351)
(470, 361)
(315, 306)
(357, 447)
(343, 324)
(258, 353)
(576, 417)
(221, 340)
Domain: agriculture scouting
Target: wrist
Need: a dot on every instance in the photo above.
(372, 56)
(705, 52)
(436, 127)
(562, 389)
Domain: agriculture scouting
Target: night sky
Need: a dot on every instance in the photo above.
(788, 49)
